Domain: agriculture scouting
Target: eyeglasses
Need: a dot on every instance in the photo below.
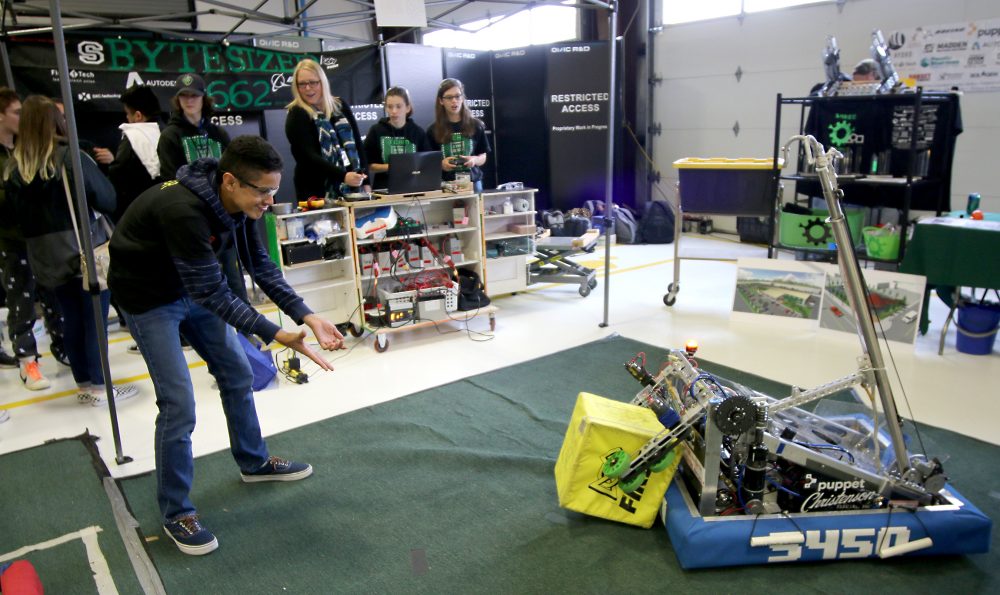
(452, 97)
(262, 190)
(309, 84)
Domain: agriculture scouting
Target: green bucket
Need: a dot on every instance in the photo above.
(881, 243)
(812, 231)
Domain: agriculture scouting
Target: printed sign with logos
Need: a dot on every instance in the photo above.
(939, 57)
(288, 43)
(237, 77)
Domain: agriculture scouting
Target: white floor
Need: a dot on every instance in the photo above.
(953, 391)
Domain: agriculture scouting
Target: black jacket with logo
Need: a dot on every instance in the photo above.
(166, 247)
(171, 146)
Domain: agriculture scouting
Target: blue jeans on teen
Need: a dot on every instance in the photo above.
(157, 334)
(80, 331)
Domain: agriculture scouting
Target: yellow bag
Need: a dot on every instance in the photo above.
(598, 428)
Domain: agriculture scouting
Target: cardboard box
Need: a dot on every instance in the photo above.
(521, 228)
(598, 428)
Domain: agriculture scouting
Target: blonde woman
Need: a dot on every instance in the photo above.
(35, 188)
(324, 135)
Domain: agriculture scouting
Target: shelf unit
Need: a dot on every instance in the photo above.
(509, 235)
(896, 168)
(391, 264)
(329, 283)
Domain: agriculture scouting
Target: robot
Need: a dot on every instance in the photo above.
(745, 452)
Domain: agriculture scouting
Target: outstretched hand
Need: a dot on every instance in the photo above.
(326, 332)
(297, 341)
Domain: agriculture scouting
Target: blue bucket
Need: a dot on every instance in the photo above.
(977, 328)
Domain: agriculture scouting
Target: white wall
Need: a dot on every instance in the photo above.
(781, 52)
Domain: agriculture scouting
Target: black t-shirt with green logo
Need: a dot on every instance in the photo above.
(384, 140)
(477, 144)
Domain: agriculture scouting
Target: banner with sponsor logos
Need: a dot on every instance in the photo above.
(238, 78)
(939, 57)
(577, 97)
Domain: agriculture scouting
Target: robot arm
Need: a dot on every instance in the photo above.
(831, 65)
(880, 53)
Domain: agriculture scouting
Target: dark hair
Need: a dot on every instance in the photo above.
(7, 97)
(207, 105)
(403, 94)
(140, 98)
(442, 128)
(867, 67)
(248, 156)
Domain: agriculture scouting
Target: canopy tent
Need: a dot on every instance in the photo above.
(339, 23)
(19, 18)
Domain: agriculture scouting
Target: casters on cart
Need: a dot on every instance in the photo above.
(671, 296)
(381, 343)
(350, 327)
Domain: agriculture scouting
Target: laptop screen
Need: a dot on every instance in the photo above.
(411, 173)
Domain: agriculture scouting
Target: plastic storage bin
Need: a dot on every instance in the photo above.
(722, 186)
(813, 232)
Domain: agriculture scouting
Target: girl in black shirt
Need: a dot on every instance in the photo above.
(396, 133)
(457, 134)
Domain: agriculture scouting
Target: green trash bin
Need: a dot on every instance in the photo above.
(881, 242)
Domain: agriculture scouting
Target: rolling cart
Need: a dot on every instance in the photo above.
(553, 263)
(720, 186)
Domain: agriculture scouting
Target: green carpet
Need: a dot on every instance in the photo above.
(52, 491)
(451, 490)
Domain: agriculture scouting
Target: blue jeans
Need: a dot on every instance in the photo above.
(157, 334)
(80, 331)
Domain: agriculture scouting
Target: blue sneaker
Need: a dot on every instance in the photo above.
(190, 536)
(276, 469)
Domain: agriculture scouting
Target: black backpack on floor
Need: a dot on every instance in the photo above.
(657, 225)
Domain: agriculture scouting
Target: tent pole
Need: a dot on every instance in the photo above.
(83, 215)
(609, 212)
(7, 71)
(382, 65)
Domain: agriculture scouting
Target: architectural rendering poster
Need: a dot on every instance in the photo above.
(811, 294)
(895, 297)
(786, 290)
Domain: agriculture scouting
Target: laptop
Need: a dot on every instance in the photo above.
(414, 173)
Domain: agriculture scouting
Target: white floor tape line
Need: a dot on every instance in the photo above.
(98, 564)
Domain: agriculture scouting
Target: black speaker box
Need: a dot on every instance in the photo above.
(301, 252)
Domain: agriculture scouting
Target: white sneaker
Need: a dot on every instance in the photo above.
(32, 376)
(122, 392)
(4, 415)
